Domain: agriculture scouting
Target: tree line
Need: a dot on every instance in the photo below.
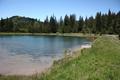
(108, 23)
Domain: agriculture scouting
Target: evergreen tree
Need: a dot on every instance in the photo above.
(117, 28)
(85, 26)
(67, 27)
(53, 24)
(90, 25)
(2, 22)
(61, 25)
(104, 24)
(73, 27)
(98, 23)
(46, 27)
(109, 24)
(80, 24)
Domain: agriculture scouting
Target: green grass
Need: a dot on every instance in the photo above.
(101, 62)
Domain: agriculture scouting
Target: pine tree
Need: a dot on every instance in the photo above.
(80, 24)
(53, 24)
(61, 25)
(90, 25)
(85, 26)
(73, 27)
(46, 27)
(109, 24)
(98, 23)
(2, 25)
(67, 27)
(117, 29)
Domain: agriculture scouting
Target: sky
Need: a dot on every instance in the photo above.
(39, 9)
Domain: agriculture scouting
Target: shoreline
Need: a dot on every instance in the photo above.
(87, 36)
(91, 37)
(51, 34)
(76, 51)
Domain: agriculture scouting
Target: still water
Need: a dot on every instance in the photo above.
(28, 54)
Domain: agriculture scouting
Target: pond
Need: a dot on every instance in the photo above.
(24, 55)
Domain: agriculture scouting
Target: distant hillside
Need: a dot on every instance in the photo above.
(21, 19)
(17, 24)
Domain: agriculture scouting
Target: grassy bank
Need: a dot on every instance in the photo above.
(101, 62)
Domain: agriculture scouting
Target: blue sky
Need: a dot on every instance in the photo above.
(41, 8)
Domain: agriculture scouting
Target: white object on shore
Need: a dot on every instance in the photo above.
(86, 46)
(71, 51)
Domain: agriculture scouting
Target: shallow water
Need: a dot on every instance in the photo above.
(24, 55)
